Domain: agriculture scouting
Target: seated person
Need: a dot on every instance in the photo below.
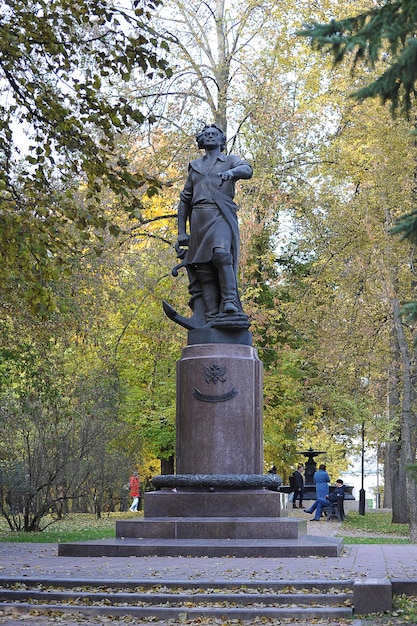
(321, 503)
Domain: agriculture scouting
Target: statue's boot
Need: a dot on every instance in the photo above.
(228, 289)
(209, 291)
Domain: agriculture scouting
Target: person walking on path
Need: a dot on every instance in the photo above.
(298, 487)
(321, 503)
(321, 479)
(134, 490)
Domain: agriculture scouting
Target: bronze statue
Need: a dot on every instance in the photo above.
(207, 207)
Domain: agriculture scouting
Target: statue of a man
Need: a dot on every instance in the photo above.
(207, 207)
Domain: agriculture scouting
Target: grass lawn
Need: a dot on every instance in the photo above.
(84, 527)
(74, 527)
(349, 540)
(374, 522)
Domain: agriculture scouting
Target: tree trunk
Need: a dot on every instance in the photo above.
(222, 69)
(394, 492)
(407, 446)
(167, 466)
(390, 473)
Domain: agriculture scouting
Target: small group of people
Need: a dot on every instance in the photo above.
(321, 480)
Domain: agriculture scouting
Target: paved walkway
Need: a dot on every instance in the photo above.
(40, 561)
(393, 561)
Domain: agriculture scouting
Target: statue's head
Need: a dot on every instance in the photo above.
(201, 134)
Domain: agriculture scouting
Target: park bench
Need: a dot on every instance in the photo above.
(335, 510)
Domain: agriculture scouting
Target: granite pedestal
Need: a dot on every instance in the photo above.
(219, 410)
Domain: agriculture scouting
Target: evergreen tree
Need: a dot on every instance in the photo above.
(387, 33)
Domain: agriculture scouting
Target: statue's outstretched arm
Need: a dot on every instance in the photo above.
(241, 171)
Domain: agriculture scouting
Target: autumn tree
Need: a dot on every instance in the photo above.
(359, 276)
(56, 427)
(61, 118)
(210, 45)
(382, 38)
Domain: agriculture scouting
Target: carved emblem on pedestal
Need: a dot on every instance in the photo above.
(214, 374)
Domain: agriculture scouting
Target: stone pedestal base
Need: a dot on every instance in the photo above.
(198, 514)
(219, 503)
(247, 503)
(214, 524)
(220, 515)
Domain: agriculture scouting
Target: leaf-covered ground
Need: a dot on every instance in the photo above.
(74, 620)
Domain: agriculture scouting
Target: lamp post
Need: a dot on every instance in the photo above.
(378, 500)
(364, 384)
(362, 490)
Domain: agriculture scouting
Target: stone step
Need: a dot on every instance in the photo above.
(306, 545)
(212, 528)
(187, 613)
(81, 597)
(180, 599)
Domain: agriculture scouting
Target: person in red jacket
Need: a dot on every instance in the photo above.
(134, 490)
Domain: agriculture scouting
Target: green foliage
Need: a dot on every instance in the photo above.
(147, 351)
(62, 112)
(384, 38)
(283, 411)
(55, 433)
(15, 490)
(386, 32)
(406, 226)
(59, 417)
